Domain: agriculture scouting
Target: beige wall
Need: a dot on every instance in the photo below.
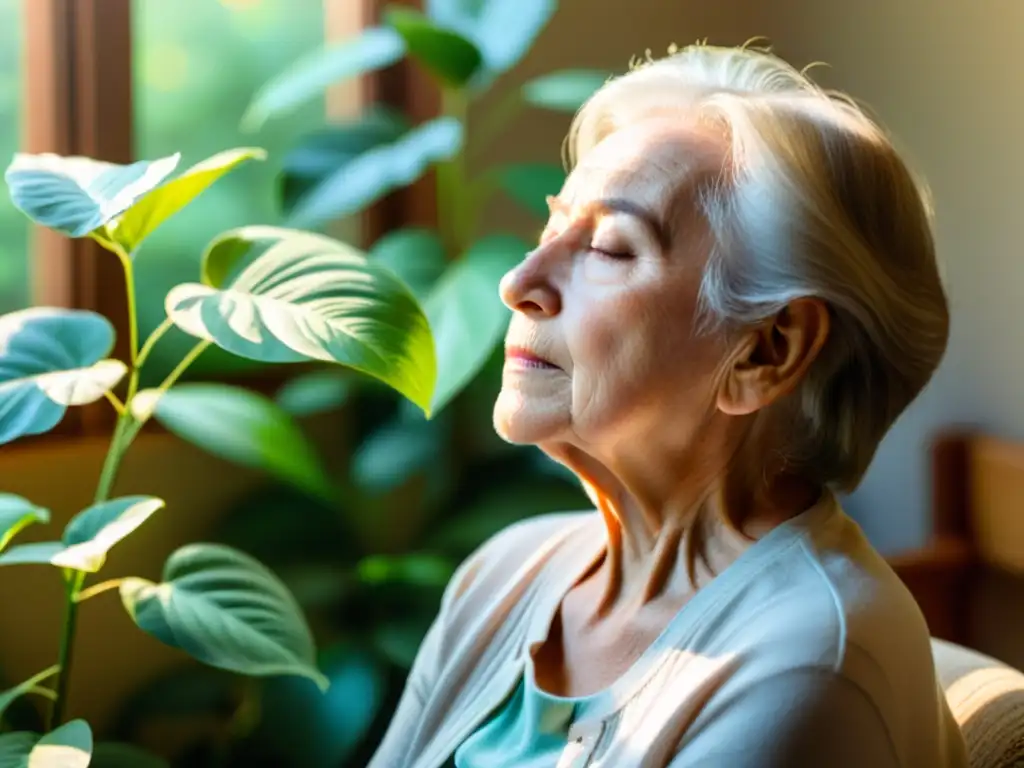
(946, 77)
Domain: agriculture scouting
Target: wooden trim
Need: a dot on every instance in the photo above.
(78, 55)
(406, 87)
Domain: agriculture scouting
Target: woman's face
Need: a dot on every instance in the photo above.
(602, 347)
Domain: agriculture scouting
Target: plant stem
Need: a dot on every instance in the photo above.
(122, 437)
(133, 319)
(73, 583)
(454, 214)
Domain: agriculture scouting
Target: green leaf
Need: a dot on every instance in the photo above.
(466, 314)
(90, 534)
(8, 697)
(564, 91)
(322, 153)
(76, 195)
(15, 514)
(111, 754)
(503, 30)
(50, 359)
(307, 78)
(227, 610)
(37, 553)
(241, 426)
(148, 213)
(416, 569)
(302, 727)
(393, 453)
(530, 184)
(69, 746)
(373, 174)
(445, 54)
(307, 297)
(417, 256)
(316, 392)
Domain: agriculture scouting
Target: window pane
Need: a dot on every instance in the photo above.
(197, 64)
(14, 227)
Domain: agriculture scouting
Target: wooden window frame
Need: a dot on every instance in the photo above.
(78, 70)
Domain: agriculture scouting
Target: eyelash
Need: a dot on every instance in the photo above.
(614, 256)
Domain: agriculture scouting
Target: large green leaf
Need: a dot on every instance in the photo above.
(16, 513)
(76, 195)
(241, 426)
(466, 314)
(564, 91)
(307, 78)
(371, 175)
(90, 534)
(8, 697)
(530, 184)
(323, 152)
(50, 359)
(400, 448)
(415, 255)
(316, 392)
(139, 221)
(36, 553)
(503, 30)
(303, 728)
(445, 54)
(227, 610)
(69, 746)
(307, 297)
(111, 754)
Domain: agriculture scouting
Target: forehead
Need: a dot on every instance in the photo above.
(647, 163)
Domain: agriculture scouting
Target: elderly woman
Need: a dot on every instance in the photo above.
(735, 297)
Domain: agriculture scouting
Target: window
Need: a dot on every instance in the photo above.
(196, 65)
(125, 79)
(14, 261)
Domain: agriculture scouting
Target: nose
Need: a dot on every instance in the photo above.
(527, 287)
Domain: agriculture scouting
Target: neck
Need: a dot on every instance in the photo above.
(661, 522)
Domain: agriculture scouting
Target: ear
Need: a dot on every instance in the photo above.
(771, 361)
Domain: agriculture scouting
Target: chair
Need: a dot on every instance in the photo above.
(987, 700)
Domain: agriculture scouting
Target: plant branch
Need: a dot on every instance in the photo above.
(96, 589)
(151, 341)
(116, 402)
(455, 214)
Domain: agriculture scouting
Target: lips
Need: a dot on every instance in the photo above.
(528, 359)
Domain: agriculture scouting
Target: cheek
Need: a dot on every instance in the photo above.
(637, 345)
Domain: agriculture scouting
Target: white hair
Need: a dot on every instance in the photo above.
(813, 201)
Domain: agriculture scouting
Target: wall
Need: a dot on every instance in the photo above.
(944, 77)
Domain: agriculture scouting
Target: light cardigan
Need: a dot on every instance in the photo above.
(805, 651)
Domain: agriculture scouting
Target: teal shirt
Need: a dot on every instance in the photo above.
(529, 731)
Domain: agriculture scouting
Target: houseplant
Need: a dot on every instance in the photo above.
(410, 497)
(270, 294)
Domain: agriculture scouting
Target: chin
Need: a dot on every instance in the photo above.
(521, 422)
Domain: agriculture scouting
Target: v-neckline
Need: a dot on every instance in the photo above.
(581, 556)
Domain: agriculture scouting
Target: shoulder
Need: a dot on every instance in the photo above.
(500, 558)
(830, 599)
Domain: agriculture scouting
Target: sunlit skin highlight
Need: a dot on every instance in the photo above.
(606, 373)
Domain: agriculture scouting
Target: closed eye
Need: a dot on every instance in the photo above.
(613, 255)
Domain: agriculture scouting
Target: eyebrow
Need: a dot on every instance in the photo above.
(621, 205)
